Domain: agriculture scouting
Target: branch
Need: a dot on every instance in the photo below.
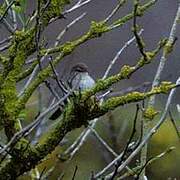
(119, 5)
(6, 10)
(138, 168)
(151, 132)
(166, 51)
(96, 30)
(139, 40)
(73, 117)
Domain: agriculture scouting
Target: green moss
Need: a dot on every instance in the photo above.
(64, 49)
(3, 59)
(150, 113)
(26, 72)
(22, 46)
(9, 115)
(67, 48)
(54, 10)
(126, 71)
(2, 8)
(101, 84)
(123, 20)
(146, 6)
(97, 29)
(140, 12)
(166, 86)
(151, 54)
(168, 48)
(19, 50)
(114, 102)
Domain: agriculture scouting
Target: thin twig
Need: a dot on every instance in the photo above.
(171, 39)
(42, 59)
(33, 74)
(119, 5)
(68, 27)
(38, 33)
(138, 168)
(4, 47)
(5, 40)
(111, 164)
(150, 160)
(107, 147)
(42, 172)
(74, 174)
(174, 124)
(8, 26)
(128, 143)
(127, 44)
(140, 87)
(76, 6)
(59, 83)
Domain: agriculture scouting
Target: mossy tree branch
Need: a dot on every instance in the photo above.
(73, 117)
(22, 46)
(125, 73)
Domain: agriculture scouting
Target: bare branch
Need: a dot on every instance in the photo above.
(67, 28)
(119, 5)
(128, 43)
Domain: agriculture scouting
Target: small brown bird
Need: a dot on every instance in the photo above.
(80, 77)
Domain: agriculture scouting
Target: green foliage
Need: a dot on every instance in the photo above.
(150, 113)
(20, 6)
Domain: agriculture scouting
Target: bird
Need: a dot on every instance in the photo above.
(79, 80)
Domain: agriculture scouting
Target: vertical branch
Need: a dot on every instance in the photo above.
(139, 40)
(127, 144)
(156, 81)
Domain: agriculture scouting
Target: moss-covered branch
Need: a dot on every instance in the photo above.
(125, 72)
(140, 12)
(26, 72)
(52, 10)
(12, 68)
(77, 113)
(22, 46)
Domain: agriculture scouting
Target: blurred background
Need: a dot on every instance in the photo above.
(97, 54)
